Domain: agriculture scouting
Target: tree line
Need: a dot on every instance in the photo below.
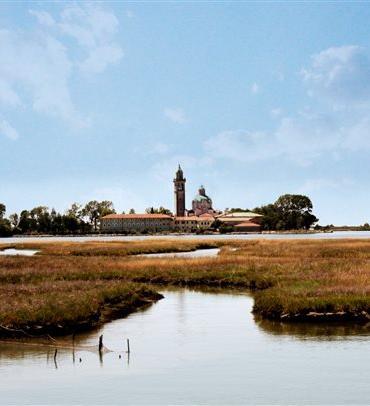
(78, 219)
(289, 212)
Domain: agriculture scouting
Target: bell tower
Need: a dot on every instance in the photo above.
(179, 184)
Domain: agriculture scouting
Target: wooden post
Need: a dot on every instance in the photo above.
(101, 343)
(128, 346)
(55, 358)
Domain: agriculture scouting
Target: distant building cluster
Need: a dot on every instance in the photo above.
(200, 217)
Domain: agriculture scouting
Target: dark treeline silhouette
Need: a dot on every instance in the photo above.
(289, 212)
(77, 219)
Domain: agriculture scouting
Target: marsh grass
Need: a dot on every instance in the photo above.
(71, 283)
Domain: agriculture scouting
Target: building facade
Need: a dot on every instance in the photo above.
(242, 221)
(200, 217)
(191, 224)
(202, 203)
(136, 223)
(179, 186)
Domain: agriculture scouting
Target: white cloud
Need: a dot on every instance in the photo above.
(8, 96)
(357, 137)
(241, 146)
(43, 17)
(100, 57)
(301, 139)
(255, 88)
(41, 67)
(8, 131)
(176, 115)
(130, 14)
(277, 112)
(341, 74)
(37, 67)
(94, 29)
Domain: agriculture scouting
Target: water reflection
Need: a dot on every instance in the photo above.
(314, 331)
(192, 348)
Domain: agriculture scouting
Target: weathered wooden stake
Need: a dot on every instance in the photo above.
(101, 343)
(55, 354)
(128, 346)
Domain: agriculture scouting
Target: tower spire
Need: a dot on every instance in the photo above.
(179, 189)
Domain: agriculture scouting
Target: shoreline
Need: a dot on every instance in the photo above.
(114, 310)
(109, 311)
(95, 282)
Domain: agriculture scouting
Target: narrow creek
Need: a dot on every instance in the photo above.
(194, 348)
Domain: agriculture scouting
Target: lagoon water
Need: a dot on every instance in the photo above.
(195, 348)
(208, 252)
(85, 238)
(14, 252)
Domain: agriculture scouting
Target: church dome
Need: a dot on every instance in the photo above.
(202, 203)
(200, 198)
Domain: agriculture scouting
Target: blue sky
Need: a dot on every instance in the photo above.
(103, 100)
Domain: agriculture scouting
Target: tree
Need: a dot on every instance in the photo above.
(132, 211)
(42, 219)
(289, 212)
(160, 210)
(226, 228)
(5, 226)
(14, 220)
(236, 210)
(2, 210)
(295, 212)
(94, 210)
(26, 223)
(75, 211)
(271, 216)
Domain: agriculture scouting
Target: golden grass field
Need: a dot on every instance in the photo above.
(70, 285)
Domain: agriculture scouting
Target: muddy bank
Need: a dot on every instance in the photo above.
(308, 316)
(110, 310)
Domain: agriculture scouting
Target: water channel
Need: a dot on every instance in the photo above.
(277, 236)
(194, 348)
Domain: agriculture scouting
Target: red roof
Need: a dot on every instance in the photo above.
(137, 216)
(247, 224)
(190, 218)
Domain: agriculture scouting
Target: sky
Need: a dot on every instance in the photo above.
(253, 99)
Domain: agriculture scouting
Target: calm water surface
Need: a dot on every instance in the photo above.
(195, 348)
(14, 252)
(317, 236)
(209, 252)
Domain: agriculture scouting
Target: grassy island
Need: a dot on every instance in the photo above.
(71, 286)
